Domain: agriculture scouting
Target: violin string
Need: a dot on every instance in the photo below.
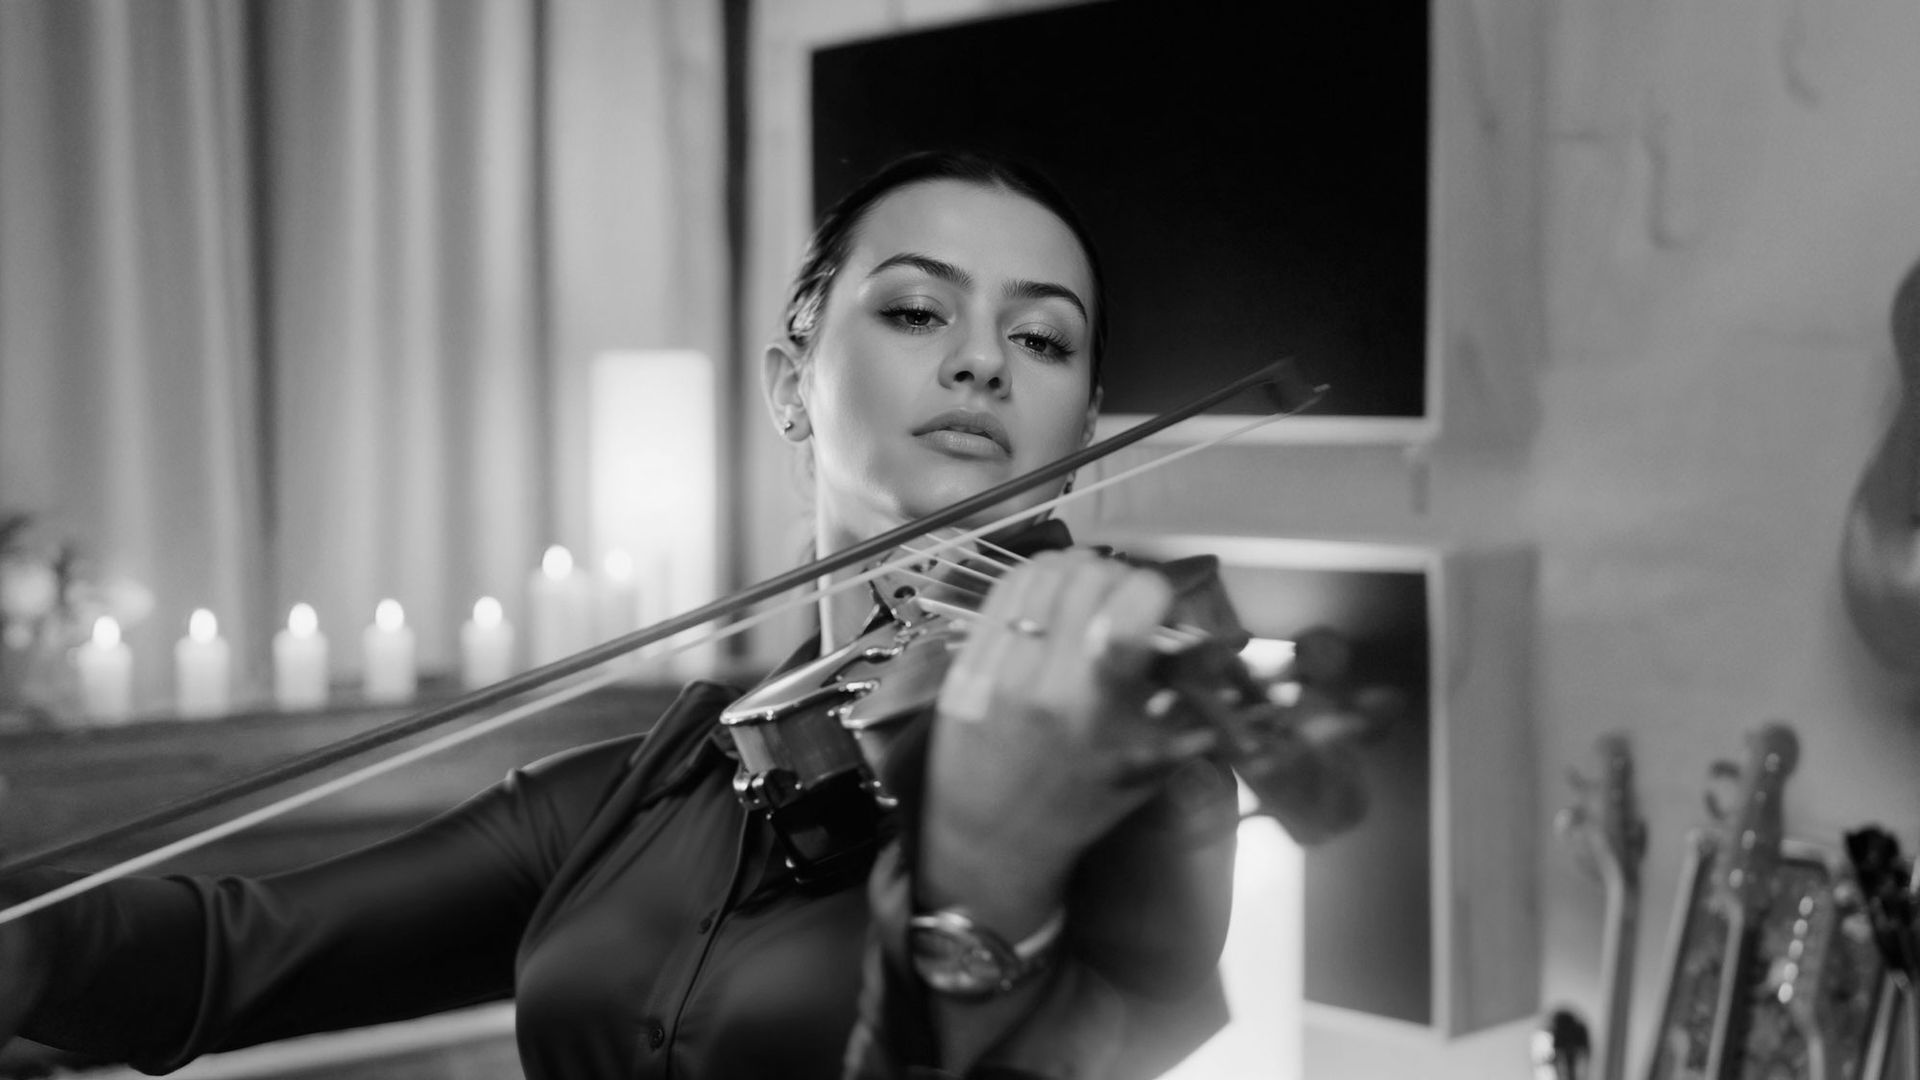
(908, 571)
(1174, 636)
(220, 831)
(1164, 639)
(962, 567)
(987, 545)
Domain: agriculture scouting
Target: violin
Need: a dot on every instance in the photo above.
(815, 742)
(803, 753)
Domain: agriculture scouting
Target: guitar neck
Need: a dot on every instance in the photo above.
(1729, 1009)
(1619, 939)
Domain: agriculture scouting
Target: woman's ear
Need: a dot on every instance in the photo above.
(781, 382)
(1093, 416)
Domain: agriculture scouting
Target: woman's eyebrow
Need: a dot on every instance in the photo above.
(1019, 288)
(926, 264)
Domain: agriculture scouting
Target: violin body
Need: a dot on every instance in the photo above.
(1880, 554)
(815, 742)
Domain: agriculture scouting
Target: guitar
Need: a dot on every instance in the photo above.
(1776, 972)
(1725, 895)
(1611, 839)
(1880, 552)
(1812, 1012)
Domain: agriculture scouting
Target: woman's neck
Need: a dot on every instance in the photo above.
(843, 613)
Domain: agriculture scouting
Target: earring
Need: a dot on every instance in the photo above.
(1068, 486)
(786, 426)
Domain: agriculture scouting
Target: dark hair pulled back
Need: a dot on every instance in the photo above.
(833, 237)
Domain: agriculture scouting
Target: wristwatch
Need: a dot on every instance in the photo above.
(957, 956)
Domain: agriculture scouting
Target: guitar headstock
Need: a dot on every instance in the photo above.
(1752, 834)
(1605, 824)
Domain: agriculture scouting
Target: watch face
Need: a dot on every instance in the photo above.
(955, 962)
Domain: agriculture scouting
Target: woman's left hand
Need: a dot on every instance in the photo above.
(1043, 739)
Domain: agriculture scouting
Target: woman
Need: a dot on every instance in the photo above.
(944, 335)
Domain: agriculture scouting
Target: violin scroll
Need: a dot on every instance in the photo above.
(1305, 774)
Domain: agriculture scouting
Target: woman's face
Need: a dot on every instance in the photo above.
(953, 354)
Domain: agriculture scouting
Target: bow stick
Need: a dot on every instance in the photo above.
(1287, 392)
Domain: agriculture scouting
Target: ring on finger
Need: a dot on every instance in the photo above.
(1027, 627)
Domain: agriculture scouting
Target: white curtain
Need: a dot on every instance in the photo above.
(403, 308)
(129, 405)
(291, 310)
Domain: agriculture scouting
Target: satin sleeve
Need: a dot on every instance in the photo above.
(1136, 987)
(156, 971)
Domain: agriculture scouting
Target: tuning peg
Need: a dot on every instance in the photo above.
(1721, 771)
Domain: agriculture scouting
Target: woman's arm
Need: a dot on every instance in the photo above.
(1033, 803)
(159, 970)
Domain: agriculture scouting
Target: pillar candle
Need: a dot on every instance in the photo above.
(106, 673)
(202, 667)
(486, 645)
(618, 599)
(560, 608)
(619, 596)
(300, 661)
(387, 648)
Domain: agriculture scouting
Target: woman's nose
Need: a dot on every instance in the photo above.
(977, 360)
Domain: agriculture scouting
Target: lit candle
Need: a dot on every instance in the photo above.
(560, 608)
(619, 605)
(387, 648)
(202, 666)
(106, 673)
(486, 645)
(619, 596)
(300, 661)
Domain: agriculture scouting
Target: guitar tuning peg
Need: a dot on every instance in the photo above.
(1722, 773)
(1568, 819)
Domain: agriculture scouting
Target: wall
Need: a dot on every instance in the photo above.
(1681, 289)
(1732, 198)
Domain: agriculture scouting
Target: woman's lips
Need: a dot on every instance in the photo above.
(967, 433)
(962, 443)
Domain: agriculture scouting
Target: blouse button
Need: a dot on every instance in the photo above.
(656, 1036)
(706, 923)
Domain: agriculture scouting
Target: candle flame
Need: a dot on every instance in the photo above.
(619, 566)
(1267, 658)
(106, 631)
(301, 621)
(486, 612)
(557, 562)
(388, 616)
(202, 626)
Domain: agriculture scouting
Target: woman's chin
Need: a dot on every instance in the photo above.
(936, 497)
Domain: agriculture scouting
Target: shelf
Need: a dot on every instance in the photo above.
(1425, 917)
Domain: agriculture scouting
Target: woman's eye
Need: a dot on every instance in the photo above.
(1044, 343)
(911, 318)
